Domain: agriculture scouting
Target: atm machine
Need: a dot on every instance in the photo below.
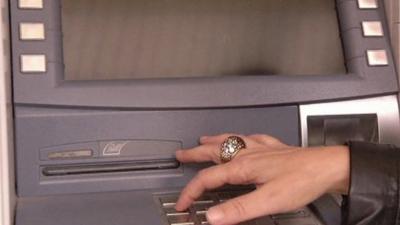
(95, 97)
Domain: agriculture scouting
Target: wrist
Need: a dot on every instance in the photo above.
(339, 171)
(333, 164)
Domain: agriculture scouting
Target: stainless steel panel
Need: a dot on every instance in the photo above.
(386, 108)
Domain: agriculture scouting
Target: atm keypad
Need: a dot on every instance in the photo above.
(196, 214)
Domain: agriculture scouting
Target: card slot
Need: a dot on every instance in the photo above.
(115, 167)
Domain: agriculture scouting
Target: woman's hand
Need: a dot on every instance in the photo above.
(286, 177)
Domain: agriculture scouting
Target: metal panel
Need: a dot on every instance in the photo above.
(386, 109)
(135, 136)
(120, 208)
(393, 16)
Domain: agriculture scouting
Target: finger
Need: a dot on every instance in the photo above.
(210, 178)
(219, 139)
(267, 140)
(242, 208)
(201, 153)
(216, 139)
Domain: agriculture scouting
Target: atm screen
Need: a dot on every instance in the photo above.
(141, 39)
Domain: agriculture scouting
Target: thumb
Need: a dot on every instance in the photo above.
(242, 208)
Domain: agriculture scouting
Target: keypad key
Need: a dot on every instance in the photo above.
(201, 217)
(180, 220)
(202, 208)
(168, 201)
(205, 199)
(170, 211)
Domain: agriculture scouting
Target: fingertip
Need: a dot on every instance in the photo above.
(178, 152)
(179, 207)
(182, 156)
(203, 139)
(215, 215)
(181, 204)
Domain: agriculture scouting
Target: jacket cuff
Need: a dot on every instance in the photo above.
(373, 196)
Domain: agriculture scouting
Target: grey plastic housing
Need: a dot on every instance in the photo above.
(122, 198)
(150, 135)
(51, 89)
(120, 208)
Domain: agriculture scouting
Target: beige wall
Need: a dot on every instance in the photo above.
(7, 187)
(393, 16)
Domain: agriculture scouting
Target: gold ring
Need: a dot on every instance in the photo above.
(230, 147)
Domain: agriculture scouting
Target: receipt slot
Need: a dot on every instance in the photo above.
(339, 129)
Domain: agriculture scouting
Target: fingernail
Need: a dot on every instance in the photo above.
(214, 215)
(178, 208)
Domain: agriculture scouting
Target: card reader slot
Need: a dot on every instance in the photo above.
(81, 169)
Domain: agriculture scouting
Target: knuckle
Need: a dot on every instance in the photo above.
(256, 136)
(215, 154)
(201, 175)
(196, 183)
(268, 139)
(189, 194)
(242, 170)
(244, 161)
(237, 208)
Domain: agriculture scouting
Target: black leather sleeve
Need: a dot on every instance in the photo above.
(373, 198)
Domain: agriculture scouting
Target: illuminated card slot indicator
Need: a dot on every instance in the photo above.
(70, 154)
(377, 58)
(30, 4)
(31, 31)
(33, 63)
(367, 4)
(372, 29)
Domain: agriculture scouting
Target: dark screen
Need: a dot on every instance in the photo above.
(139, 39)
